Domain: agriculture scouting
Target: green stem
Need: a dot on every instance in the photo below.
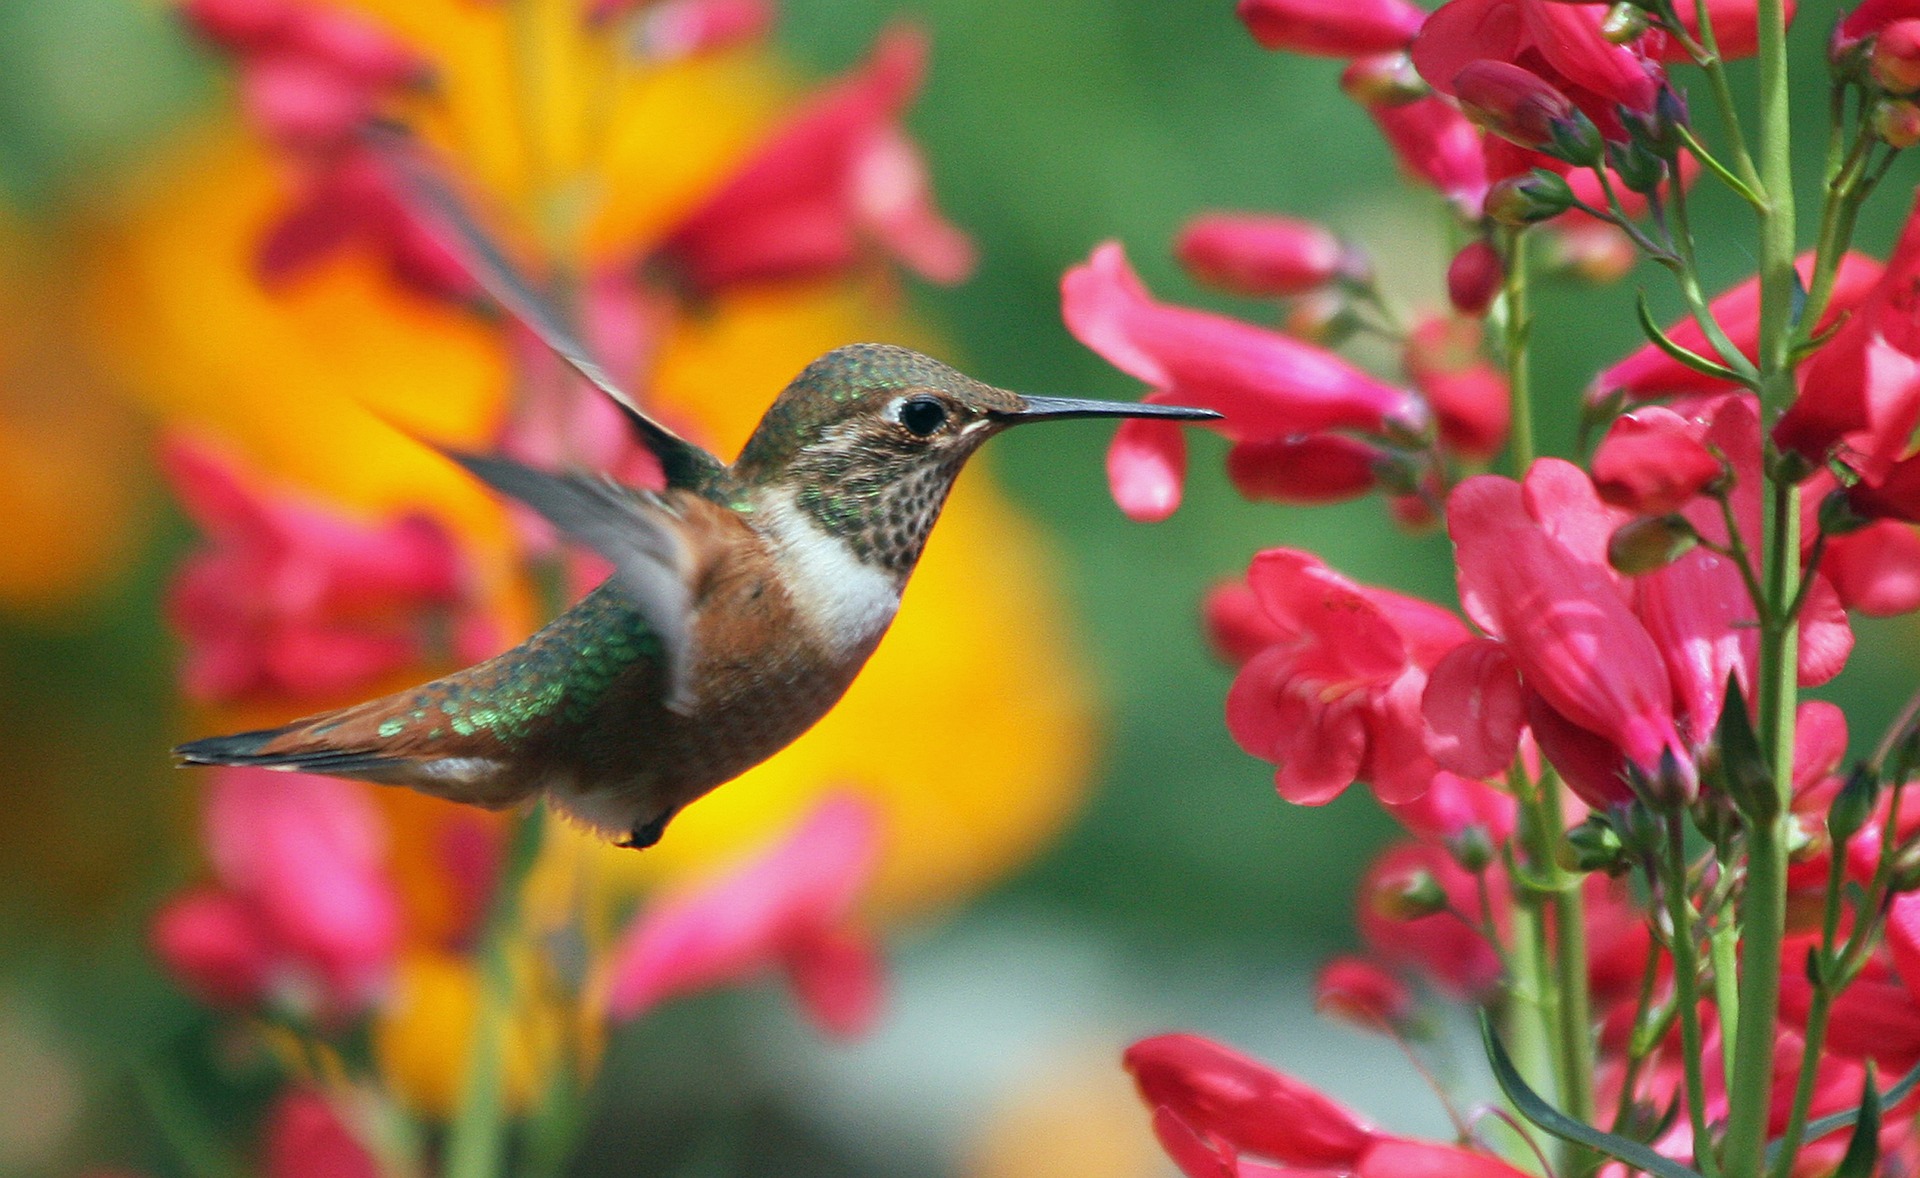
(1763, 904)
(1723, 943)
(476, 1139)
(1686, 988)
(1518, 325)
(1570, 957)
(1826, 987)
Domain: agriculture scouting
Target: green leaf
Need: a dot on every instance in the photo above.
(1530, 1105)
(1749, 778)
(1863, 1149)
(1686, 356)
(1825, 1125)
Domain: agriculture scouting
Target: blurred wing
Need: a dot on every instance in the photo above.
(635, 530)
(425, 189)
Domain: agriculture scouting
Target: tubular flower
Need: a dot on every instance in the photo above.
(1311, 468)
(1649, 372)
(1332, 28)
(1408, 929)
(1652, 462)
(1266, 384)
(1358, 990)
(1469, 396)
(1474, 277)
(288, 599)
(1438, 146)
(1264, 256)
(1861, 391)
(1561, 43)
(790, 906)
(1533, 575)
(1516, 104)
(1337, 698)
(1225, 1095)
(304, 911)
(839, 174)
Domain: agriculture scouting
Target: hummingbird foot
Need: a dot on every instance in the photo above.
(649, 832)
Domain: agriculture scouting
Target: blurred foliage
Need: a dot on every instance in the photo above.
(1050, 127)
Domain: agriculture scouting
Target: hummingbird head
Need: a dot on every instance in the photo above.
(869, 438)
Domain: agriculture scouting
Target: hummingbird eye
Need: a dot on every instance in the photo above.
(923, 416)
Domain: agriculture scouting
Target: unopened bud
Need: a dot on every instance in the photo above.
(1266, 256)
(1594, 845)
(1523, 200)
(1651, 543)
(1410, 896)
(1521, 106)
(1896, 121)
(1837, 516)
(1388, 79)
(1639, 829)
(1357, 991)
(1624, 23)
(1474, 277)
(1472, 849)
(1637, 167)
(1894, 64)
(1853, 805)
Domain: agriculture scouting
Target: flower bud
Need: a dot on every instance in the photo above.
(1837, 516)
(1651, 463)
(1332, 28)
(1474, 277)
(1521, 106)
(1523, 200)
(1624, 23)
(1409, 896)
(1266, 256)
(1894, 64)
(1853, 805)
(1590, 251)
(1471, 848)
(1638, 169)
(1362, 993)
(1654, 542)
(1387, 79)
(1594, 845)
(1897, 122)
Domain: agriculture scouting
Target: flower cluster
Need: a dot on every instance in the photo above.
(1617, 696)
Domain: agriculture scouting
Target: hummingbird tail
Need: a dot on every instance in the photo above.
(255, 749)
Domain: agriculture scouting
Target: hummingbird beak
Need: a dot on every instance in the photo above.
(1061, 408)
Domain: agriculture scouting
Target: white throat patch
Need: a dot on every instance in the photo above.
(849, 601)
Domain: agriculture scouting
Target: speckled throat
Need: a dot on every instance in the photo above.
(880, 499)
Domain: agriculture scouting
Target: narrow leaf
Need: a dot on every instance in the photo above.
(1863, 1148)
(1686, 356)
(1534, 1108)
(1749, 778)
(1825, 1125)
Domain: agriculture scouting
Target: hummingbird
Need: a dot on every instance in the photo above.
(744, 597)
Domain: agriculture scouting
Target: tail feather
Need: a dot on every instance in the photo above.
(255, 749)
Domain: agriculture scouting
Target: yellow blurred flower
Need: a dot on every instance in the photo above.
(306, 381)
(423, 1033)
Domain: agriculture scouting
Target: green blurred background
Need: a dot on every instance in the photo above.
(1186, 896)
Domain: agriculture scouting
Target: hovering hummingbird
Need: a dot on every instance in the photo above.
(744, 600)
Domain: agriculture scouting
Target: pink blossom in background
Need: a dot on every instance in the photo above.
(286, 598)
(306, 1138)
(1332, 28)
(839, 177)
(1223, 1094)
(790, 906)
(1438, 146)
(1264, 255)
(1360, 991)
(1454, 956)
(1560, 43)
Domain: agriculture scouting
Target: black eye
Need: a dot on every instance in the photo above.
(922, 415)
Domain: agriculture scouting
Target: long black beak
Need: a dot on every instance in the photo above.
(1061, 408)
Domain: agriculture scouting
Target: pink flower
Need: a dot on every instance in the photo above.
(1266, 384)
(1243, 1103)
(680, 29)
(1561, 43)
(1337, 698)
(1474, 277)
(1264, 256)
(1310, 468)
(287, 599)
(791, 905)
(1876, 570)
(1652, 462)
(303, 911)
(306, 1138)
(346, 200)
(1469, 397)
(1866, 21)
(1332, 28)
(1389, 1158)
(1861, 391)
(1514, 103)
(1533, 575)
(1439, 146)
(838, 176)
(1357, 990)
(1736, 30)
(1455, 956)
(1648, 372)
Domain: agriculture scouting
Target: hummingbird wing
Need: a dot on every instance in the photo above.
(426, 190)
(636, 530)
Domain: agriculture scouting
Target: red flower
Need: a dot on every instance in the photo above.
(839, 175)
(1337, 698)
(1876, 570)
(304, 911)
(1861, 391)
(1389, 1158)
(289, 599)
(679, 29)
(791, 905)
(1514, 103)
(1310, 468)
(1264, 256)
(307, 1139)
(347, 199)
(1561, 43)
(1244, 1103)
(1359, 991)
(1437, 945)
(1474, 277)
(1332, 28)
(1439, 146)
(1652, 462)
(1649, 372)
(1866, 21)
(1736, 30)
(1469, 396)
(1266, 384)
